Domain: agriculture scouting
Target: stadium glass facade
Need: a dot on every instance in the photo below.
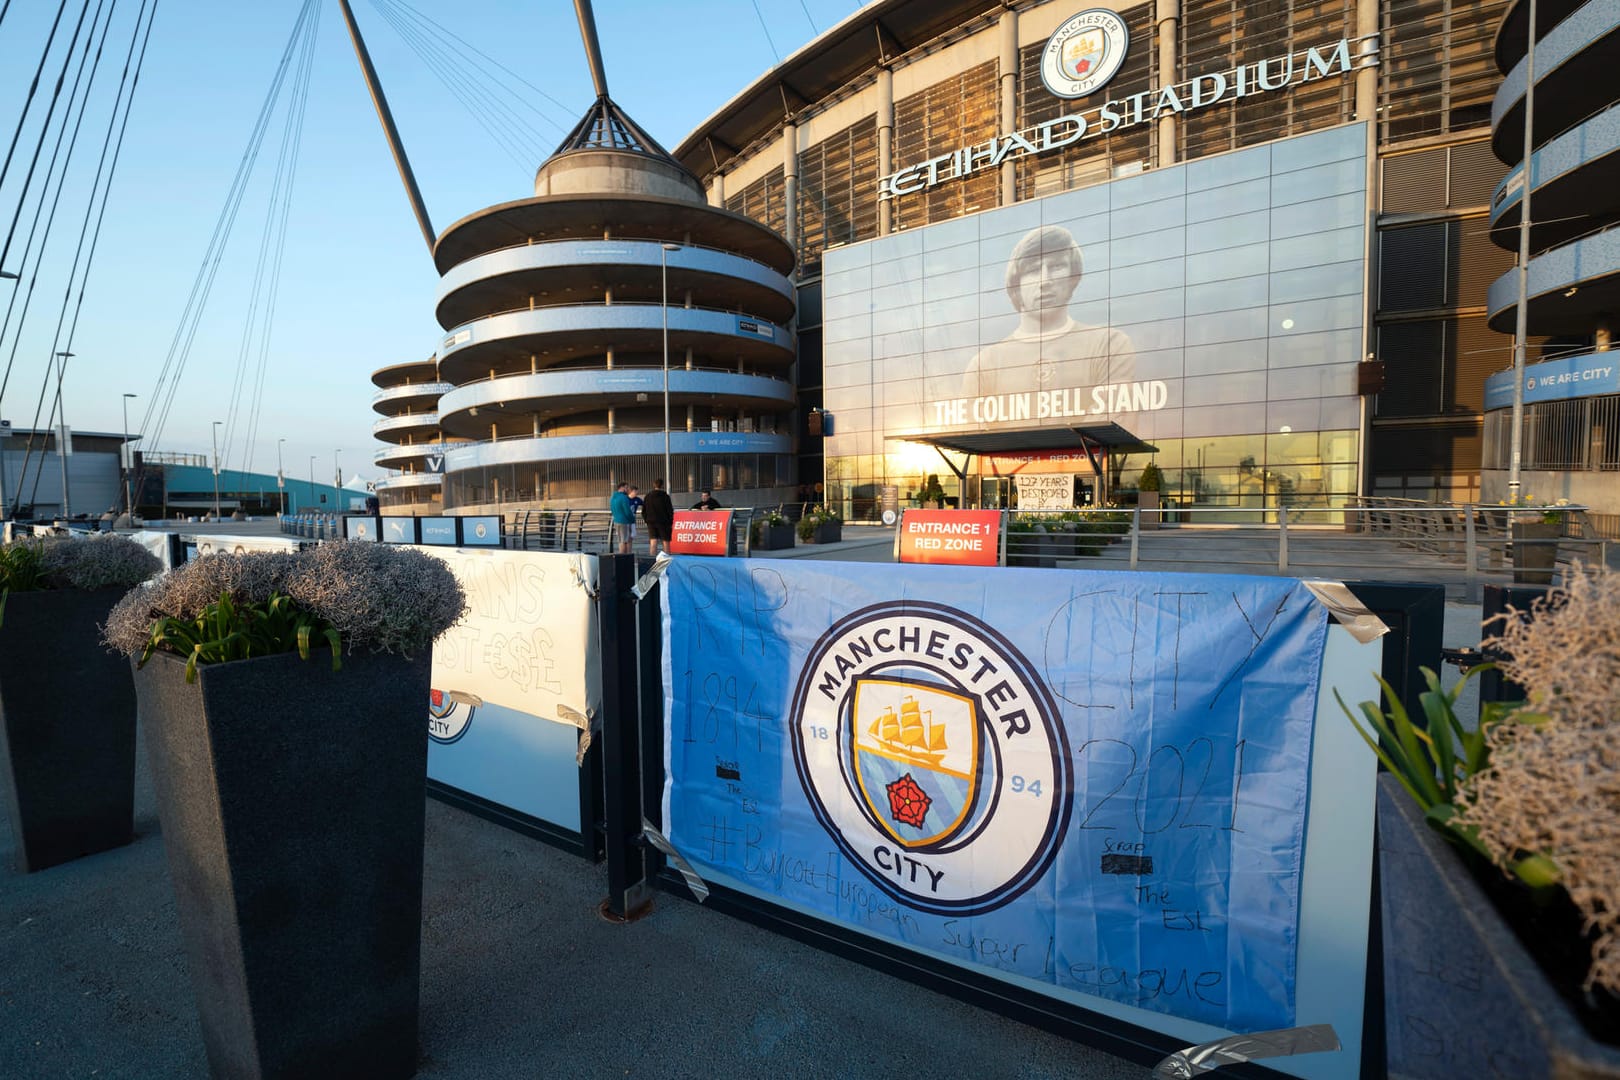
(1312, 331)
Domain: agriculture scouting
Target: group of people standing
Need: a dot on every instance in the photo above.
(657, 513)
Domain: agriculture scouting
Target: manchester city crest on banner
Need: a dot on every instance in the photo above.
(916, 757)
(1084, 53)
(450, 713)
(933, 755)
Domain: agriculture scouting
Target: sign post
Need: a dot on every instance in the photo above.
(701, 532)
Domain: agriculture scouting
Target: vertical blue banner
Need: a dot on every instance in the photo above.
(1096, 780)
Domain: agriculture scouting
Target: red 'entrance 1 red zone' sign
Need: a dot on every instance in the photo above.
(701, 532)
(950, 537)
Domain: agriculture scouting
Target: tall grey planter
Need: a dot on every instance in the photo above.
(291, 798)
(67, 710)
(1462, 996)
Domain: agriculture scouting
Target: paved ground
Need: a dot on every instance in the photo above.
(520, 976)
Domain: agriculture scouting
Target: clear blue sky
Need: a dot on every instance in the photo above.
(357, 285)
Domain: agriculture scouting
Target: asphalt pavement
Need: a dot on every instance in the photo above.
(520, 978)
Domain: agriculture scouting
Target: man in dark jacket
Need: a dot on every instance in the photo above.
(708, 502)
(659, 514)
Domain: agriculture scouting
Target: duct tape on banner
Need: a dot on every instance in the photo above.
(581, 720)
(1348, 611)
(699, 888)
(644, 585)
(1236, 1049)
(581, 579)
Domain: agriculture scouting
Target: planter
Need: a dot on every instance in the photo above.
(1462, 996)
(291, 798)
(1148, 503)
(1535, 551)
(67, 709)
(830, 532)
(774, 537)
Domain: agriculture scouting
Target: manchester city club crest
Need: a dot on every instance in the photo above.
(1084, 53)
(933, 755)
(450, 713)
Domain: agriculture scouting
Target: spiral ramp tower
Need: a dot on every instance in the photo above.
(554, 310)
(1573, 284)
(408, 400)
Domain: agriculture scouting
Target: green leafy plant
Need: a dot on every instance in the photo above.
(1435, 761)
(1151, 480)
(226, 630)
(815, 517)
(768, 519)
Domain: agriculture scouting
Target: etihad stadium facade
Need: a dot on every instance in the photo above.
(1250, 242)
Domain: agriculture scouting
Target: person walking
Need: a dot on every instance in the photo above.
(658, 513)
(624, 519)
(708, 502)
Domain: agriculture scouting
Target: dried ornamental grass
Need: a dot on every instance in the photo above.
(379, 598)
(88, 561)
(1554, 787)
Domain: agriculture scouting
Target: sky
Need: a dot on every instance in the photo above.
(356, 283)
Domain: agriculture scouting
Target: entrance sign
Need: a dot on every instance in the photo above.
(701, 532)
(1094, 780)
(511, 677)
(949, 537)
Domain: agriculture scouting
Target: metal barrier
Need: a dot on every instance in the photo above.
(1463, 547)
(312, 526)
(591, 531)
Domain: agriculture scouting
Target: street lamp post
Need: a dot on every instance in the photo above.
(281, 478)
(337, 479)
(663, 266)
(216, 469)
(1521, 327)
(312, 476)
(129, 487)
(61, 432)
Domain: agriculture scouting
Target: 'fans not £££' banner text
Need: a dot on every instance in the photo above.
(1094, 780)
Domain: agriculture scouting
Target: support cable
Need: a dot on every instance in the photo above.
(33, 87)
(44, 194)
(56, 95)
(272, 246)
(473, 50)
(477, 101)
(161, 400)
(79, 249)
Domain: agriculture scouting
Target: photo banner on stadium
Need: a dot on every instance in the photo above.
(1094, 780)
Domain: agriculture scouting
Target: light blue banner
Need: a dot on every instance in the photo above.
(1092, 779)
(1558, 380)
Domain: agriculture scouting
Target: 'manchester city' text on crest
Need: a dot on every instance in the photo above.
(933, 755)
(1084, 53)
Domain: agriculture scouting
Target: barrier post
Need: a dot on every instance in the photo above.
(1282, 538)
(1136, 532)
(1470, 554)
(629, 894)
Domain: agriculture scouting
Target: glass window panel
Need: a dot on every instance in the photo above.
(1311, 249)
(1313, 282)
(1238, 198)
(1249, 355)
(1243, 261)
(1227, 295)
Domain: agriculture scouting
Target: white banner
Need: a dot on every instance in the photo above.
(1046, 491)
(528, 640)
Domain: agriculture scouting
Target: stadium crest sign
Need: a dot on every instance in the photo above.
(1101, 62)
